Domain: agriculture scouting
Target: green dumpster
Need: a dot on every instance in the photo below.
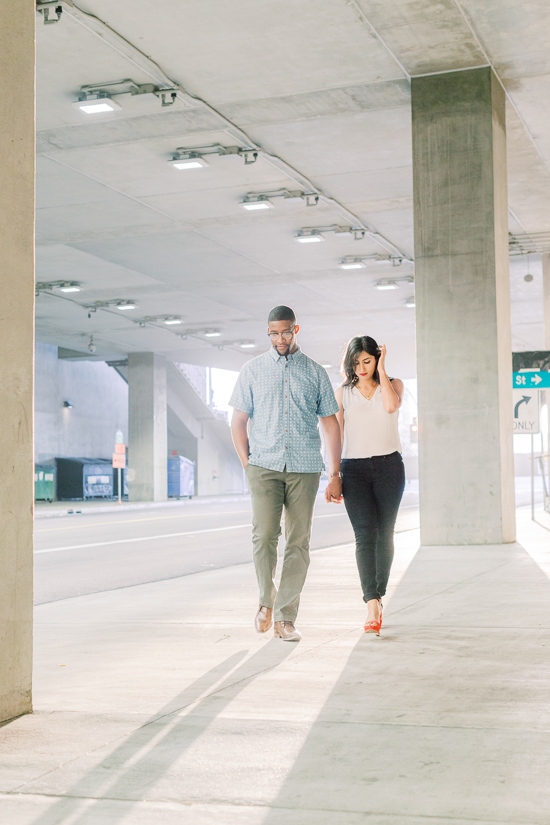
(44, 482)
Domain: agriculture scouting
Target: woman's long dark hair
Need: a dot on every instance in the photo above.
(357, 345)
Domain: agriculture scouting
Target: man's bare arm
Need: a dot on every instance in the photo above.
(239, 434)
(333, 444)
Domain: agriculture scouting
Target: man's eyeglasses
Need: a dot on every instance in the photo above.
(286, 336)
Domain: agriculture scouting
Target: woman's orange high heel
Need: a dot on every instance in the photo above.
(374, 626)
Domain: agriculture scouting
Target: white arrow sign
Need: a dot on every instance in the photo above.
(526, 412)
(536, 379)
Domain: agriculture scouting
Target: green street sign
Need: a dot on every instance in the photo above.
(535, 380)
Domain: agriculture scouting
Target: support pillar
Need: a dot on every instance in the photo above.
(546, 297)
(147, 437)
(546, 305)
(16, 358)
(462, 309)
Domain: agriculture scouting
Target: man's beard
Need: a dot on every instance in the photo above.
(285, 351)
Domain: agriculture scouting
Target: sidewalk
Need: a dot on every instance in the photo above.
(47, 509)
(157, 704)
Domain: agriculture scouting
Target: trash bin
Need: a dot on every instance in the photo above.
(44, 482)
(83, 478)
(181, 477)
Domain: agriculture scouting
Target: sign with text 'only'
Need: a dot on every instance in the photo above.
(526, 412)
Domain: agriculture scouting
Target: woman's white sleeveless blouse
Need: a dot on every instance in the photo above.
(368, 429)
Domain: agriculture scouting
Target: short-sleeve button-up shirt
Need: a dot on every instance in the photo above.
(284, 397)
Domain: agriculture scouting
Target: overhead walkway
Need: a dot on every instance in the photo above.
(159, 704)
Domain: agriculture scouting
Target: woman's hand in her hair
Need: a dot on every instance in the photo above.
(382, 359)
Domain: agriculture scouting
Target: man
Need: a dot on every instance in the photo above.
(277, 401)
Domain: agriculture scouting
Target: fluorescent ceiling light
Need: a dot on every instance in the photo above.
(386, 285)
(97, 105)
(70, 288)
(248, 345)
(212, 333)
(309, 237)
(410, 303)
(191, 161)
(351, 264)
(126, 305)
(172, 321)
(327, 366)
(253, 205)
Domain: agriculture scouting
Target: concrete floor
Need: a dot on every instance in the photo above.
(157, 704)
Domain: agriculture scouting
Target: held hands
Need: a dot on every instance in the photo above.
(333, 492)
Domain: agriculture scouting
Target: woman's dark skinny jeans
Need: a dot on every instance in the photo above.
(373, 489)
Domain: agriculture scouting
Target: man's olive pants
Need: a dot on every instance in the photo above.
(271, 491)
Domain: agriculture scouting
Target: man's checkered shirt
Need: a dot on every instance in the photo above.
(284, 396)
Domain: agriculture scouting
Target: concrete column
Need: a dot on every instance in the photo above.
(16, 358)
(463, 309)
(546, 304)
(147, 427)
(546, 298)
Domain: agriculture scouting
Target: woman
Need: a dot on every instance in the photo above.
(373, 476)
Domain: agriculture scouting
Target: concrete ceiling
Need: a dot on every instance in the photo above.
(324, 88)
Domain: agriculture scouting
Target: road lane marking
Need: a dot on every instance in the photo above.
(154, 538)
(141, 538)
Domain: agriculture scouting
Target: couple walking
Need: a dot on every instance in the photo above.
(278, 399)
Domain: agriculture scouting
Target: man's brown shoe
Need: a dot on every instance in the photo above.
(263, 620)
(287, 632)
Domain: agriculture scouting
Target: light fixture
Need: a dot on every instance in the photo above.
(309, 236)
(410, 302)
(386, 285)
(254, 203)
(95, 98)
(212, 333)
(94, 104)
(172, 320)
(311, 198)
(247, 344)
(351, 263)
(191, 161)
(192, 157)
(263, 200)
(124, 305)
(327, 366)
(62, 286)
(91, 346)
(67, 405)
(394, 260)
(47, 6)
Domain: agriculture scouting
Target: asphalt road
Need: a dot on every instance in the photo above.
(92, 552)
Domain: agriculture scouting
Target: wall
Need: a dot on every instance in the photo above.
(100, 407)
(16, 356)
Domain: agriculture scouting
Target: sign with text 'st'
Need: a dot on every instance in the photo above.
(526, 412)
(532, 378)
